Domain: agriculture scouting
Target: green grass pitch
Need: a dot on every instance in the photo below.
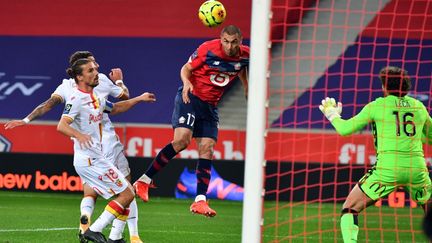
(51, 217)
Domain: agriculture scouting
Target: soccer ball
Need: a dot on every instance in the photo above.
(212, 13)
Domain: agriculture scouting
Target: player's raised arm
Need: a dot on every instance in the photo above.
(185, 74)
(39, 111)
(123, 106)
(116, 76)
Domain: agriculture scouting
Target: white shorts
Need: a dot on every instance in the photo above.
(119, 160)
(115, 154)
(105, 179)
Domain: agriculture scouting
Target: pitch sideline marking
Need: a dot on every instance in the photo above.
(36, 230)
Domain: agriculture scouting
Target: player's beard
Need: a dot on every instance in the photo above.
(232, 52)
(95, 83)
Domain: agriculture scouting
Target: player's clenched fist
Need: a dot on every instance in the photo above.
(330, 109)
(148, 97)
(116, 74)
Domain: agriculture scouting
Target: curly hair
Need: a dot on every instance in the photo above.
(77, 68)
(79, 55)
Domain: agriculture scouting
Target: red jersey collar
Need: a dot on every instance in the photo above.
(85, 92)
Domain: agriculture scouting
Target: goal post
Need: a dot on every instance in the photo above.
(256, 121)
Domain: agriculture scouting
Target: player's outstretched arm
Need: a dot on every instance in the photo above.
(123, 106)
(185, 74)
(39, 111)
(64, 127)
(332, 112)
(116, 75)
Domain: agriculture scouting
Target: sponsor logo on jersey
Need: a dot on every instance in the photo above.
(93, 118)
(220, 79)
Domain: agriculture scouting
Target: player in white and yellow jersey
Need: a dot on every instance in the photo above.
(82, 121)
(112, 147)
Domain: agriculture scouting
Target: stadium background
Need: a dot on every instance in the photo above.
(151, 41)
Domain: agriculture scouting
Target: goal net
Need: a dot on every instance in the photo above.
(336, 48)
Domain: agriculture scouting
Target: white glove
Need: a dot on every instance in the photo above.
(330, 109)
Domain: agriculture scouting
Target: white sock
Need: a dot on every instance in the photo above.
(87, 206)
(132, 220)
(144, 178)
(104, 219)
(117, 229)
(200, 198)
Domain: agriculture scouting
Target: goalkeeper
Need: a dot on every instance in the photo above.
(398, 122)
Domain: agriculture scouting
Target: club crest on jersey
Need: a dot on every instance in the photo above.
(67, 108)
(237, 66)
(119, 183)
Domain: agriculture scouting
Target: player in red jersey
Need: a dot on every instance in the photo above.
(206, 75)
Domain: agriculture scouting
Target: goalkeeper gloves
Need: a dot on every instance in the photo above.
(330, 109)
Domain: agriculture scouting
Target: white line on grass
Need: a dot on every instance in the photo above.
(37, 230)
(189, 232)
